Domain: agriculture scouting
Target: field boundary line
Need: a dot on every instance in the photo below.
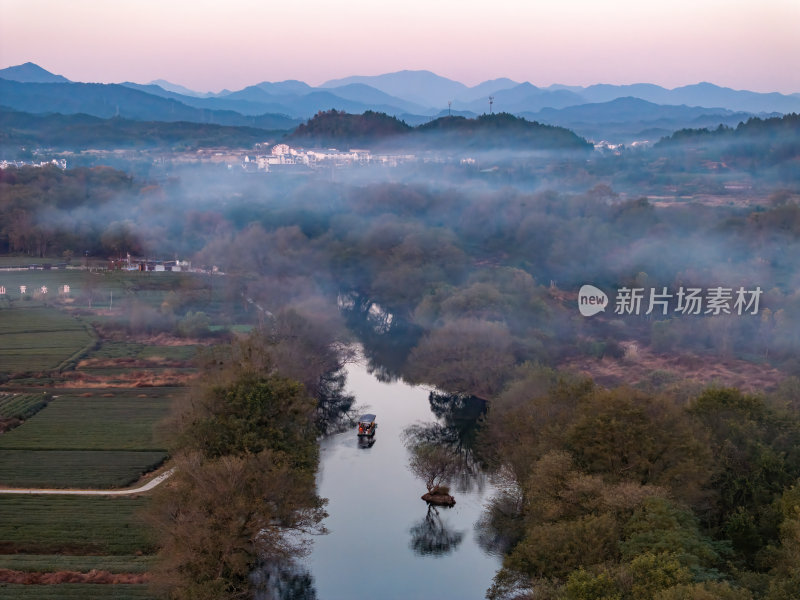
(156, 481)
(76, 356)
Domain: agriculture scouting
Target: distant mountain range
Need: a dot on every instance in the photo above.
(599, 111)
(633, 118)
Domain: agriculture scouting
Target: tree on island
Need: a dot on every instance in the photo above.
(435, 464)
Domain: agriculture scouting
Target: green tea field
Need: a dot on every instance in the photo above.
(74, 591)
(121, 422)
(85, 385)
(72, 525)
(40, 338)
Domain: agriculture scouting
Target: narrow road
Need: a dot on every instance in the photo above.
(127, 492)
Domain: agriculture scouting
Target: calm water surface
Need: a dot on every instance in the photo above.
(382, 540)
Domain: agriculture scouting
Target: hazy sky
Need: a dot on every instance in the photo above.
(210, 45)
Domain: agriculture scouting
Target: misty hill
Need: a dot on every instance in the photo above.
(498, 131)
(109, 100)
(752, 144)
(628, 119)
(415, 120)
(339, 129)
(772, 128)
(80, 131)
(495, 131)
(31, 73)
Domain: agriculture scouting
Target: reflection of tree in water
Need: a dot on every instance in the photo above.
(386, 342)
(335, 407)
(458, 431)
(431, 537)
(287, 581)
(459, 413)
(501, 525)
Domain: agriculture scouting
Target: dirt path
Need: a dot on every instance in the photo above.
(77, 492)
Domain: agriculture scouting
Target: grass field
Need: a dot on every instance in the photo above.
(72, 525)
(39, 338)
(75, 591)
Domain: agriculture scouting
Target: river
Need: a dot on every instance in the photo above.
(383, 541)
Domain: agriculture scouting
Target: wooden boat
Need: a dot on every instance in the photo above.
(367, 425)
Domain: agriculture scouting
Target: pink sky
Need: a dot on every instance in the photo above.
(210, 45)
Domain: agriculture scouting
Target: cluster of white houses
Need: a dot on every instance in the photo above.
(283, 154)
(61, 163)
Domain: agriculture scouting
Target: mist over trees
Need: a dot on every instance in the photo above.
(646, 484)
(474, 267)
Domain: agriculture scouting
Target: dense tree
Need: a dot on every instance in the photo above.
(467, 356)
(434, 464)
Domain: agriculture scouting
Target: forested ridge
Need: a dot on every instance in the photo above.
(493, 131)
(72, 131)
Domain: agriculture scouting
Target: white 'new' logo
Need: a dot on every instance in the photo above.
(591, 300)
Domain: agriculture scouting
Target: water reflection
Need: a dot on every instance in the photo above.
(283, 581)
(335, 412)
(366, 441)
(386, 338)
(459, 417)
(376, 520)
(431, 536)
